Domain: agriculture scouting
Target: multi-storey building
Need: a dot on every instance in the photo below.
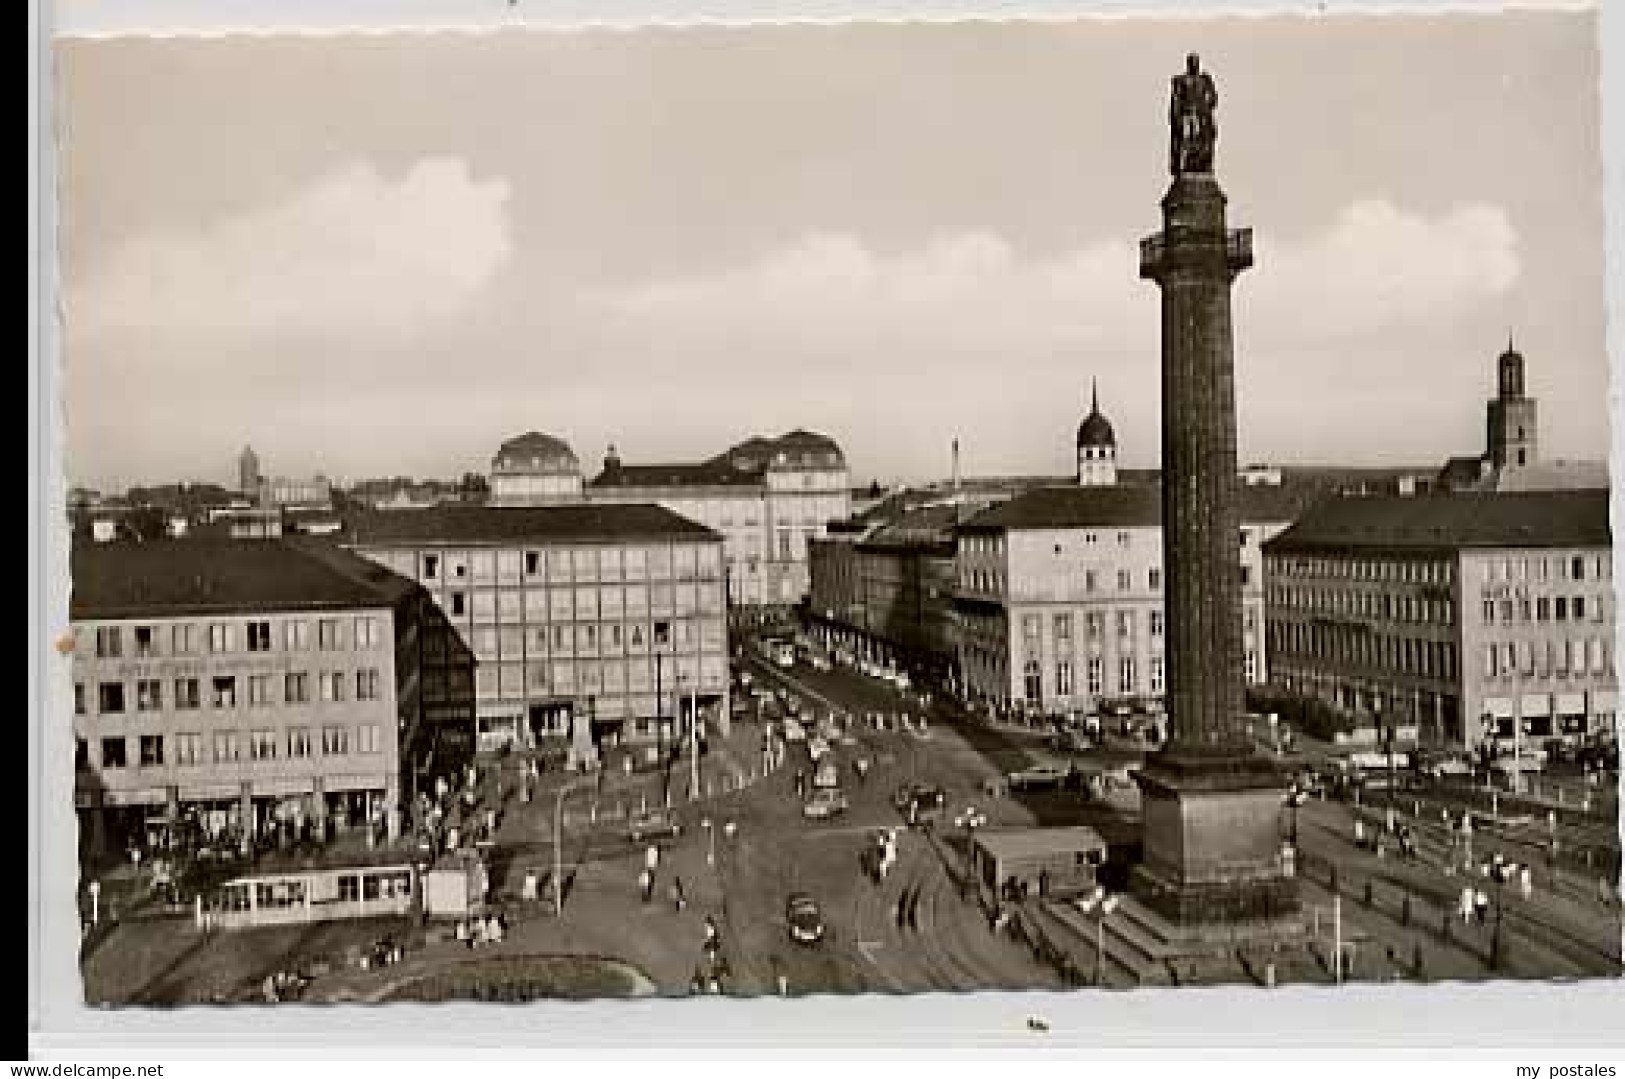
(767, 498)
(240, 682)
(885, 592)
(1060, 596)
(591, 625)
(534, 469)
(1467, 616)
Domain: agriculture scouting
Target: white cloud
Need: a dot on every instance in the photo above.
(355, 256)
(1375, 268)
(1378, 267)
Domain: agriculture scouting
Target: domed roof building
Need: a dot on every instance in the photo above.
(1097, 446)
(535, 469)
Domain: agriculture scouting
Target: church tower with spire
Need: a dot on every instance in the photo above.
(1511, 416)
(1097, 446)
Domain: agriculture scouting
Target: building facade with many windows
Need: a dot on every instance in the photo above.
(243, 684)
(591, 625)
(767, 498)
(1467, 616)
(885, 593)
(1060, 596)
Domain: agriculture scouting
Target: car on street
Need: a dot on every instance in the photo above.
(817, 748)
(653, 824)
(803, 918)
(827, 774)
(825, 802)
(1072, 740)
(794, 731)
(916, 801)
(1036, 777)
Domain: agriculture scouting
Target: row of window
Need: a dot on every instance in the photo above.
(190, 749)
(1392, 570)
(577, 564)
(1597, 567)
(1090, 580)
(1543, 609)
(224, 638)
(581, 604)
(1354, 645)
(1127, 683)
(588, 639)
(1577, 657)
(1094, 625)
(610, 677)
(263, 690)
(1425, 610)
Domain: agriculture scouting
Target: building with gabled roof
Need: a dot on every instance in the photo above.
(1060, 601)
(247, 687)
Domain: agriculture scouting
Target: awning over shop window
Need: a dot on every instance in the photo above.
(1571, 704)
(1499, 707)
(1536, 704)
(1604, 700)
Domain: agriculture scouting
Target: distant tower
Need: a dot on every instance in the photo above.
(248, 472)
(956, 466)
(1097, 446)
(1511, 417)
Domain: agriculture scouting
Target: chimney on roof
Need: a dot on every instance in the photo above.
(956, 466)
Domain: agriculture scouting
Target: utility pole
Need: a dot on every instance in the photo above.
(1337, 939)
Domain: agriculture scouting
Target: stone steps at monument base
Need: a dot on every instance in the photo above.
(1131, 958)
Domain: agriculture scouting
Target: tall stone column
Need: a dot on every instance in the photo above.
(1211, 806)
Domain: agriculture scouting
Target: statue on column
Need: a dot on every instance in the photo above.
(1190, 119)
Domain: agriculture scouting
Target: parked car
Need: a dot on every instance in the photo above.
(1037, 777)
(825, 802)
(803, 919)
(794, 731)
(653, 824)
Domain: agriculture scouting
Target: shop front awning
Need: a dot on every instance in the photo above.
(1571, 704)
(1499, 707)
(1535, 705)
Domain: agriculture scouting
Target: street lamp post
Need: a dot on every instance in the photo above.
(1295, 798)
(1500, 871)
(1102, 901)
(558, 847)
(970, 820)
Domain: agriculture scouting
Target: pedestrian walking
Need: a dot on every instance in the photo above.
(914, 908)
(902, 908)
(646, 883)
(713, 938)
(678, 899)
(1526, 884)
(1481, 905)
(1465, 906)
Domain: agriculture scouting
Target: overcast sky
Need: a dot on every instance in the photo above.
(373, 255)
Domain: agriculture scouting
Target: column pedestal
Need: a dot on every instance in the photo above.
(1211, 839)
